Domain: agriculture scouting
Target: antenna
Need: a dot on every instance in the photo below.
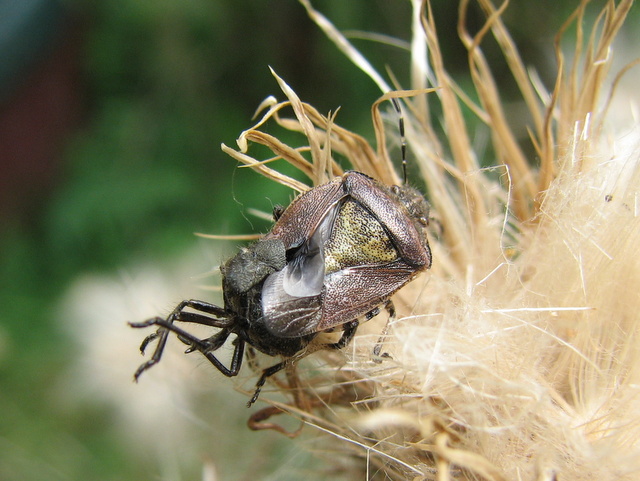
(403, 139)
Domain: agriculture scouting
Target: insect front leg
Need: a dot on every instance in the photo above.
(179, 314)
(204, 346)
(161, 335)
(203, 314)
(207, 351)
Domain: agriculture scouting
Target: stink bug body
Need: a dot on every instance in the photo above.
(337, 253)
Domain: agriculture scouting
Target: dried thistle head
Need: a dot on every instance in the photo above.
(516, 354)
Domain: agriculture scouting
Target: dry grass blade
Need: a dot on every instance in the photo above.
(507, 149)
(579, 95)
(324, 138)
(264, 170)
(343, 44)
(516, 357)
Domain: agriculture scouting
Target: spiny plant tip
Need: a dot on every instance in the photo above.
(515, 356)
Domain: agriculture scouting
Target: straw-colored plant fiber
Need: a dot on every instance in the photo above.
(517, 355)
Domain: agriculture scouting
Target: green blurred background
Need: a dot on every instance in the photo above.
(111, 118)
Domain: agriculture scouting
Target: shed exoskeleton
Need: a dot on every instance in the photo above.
(335, 255)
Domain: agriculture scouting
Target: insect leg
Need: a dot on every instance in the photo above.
(178, 314)
(147, 340)
(213, 343)
(202, 306)
(270, 371)
(163, 335)
(348, 333)
(251, 358)
(205, 346)
(391, 309)
(236, 360)
(372, 313)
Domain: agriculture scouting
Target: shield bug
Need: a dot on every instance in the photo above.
(333, 257)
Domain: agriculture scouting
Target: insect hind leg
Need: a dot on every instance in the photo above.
(347, 334)
(391, 309)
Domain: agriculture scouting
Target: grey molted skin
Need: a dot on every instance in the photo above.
(337, 253)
